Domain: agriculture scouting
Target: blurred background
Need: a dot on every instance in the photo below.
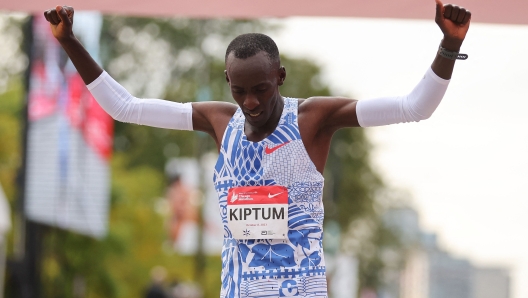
(90, 207)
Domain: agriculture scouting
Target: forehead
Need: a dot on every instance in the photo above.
(257, 66)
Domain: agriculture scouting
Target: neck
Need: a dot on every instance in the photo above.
(257, 134)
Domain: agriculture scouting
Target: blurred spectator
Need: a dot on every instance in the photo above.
(183, 226)
(156, 289)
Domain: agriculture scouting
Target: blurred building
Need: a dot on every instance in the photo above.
(448, 276)
(491, 283)
(414, 279)
(431, 272)
(405, 222)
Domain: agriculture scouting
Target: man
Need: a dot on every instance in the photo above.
(272, 149)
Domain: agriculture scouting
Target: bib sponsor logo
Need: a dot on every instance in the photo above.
(234, 198)
(289, 288)
(270, 196)
(257, 195)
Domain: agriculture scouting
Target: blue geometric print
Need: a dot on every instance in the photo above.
(273, 267)
(248, 164)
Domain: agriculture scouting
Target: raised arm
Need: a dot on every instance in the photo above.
(210, 117)
(61, 23)
(415, 106)
(428, 93)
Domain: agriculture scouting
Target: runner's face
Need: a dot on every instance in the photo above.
(254, 84)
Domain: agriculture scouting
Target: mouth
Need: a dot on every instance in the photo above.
(255, 114)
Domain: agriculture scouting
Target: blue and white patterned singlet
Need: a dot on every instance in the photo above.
(280, 267)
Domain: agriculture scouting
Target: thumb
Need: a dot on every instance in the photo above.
(439, 9)
(63, 15)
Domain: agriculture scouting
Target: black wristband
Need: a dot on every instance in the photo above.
(451, 55)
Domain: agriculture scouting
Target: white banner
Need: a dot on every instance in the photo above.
(69, 136)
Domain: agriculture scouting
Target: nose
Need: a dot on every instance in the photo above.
(251, 102)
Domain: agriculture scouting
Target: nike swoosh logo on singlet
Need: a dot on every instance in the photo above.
(270, 196)
(269, 150)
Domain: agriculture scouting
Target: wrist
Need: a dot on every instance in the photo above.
(451, 44)
(451, 55)
(63, 40)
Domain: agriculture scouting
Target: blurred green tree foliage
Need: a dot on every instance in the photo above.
(12, 62)
(179, 60)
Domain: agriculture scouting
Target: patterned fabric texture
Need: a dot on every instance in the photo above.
(292, 267)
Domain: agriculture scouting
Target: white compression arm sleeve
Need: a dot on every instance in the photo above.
(417, 105)
(124, 107)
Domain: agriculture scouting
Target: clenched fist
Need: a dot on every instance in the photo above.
(454, 23)
(61, 21)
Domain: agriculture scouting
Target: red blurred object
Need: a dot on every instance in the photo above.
(88, 116)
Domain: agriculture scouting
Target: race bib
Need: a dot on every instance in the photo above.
(258, 212)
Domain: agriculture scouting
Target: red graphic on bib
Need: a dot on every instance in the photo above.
(269, 150)
(245, 195)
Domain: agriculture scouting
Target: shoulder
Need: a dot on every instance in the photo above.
(322, 105)
(212, 116)
(329, 111)
(214, 109)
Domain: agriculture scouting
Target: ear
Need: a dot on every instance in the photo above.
(226, 76)
(282, 75)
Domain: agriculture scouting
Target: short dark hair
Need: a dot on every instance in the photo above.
(248, 45)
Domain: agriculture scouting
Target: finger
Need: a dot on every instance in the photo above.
(461, 15)
(439, 9)
(63, 15)
(54, 18)
(46, 15)
(69, 11)
(467, 17)
(454, 13)
(448, 9)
